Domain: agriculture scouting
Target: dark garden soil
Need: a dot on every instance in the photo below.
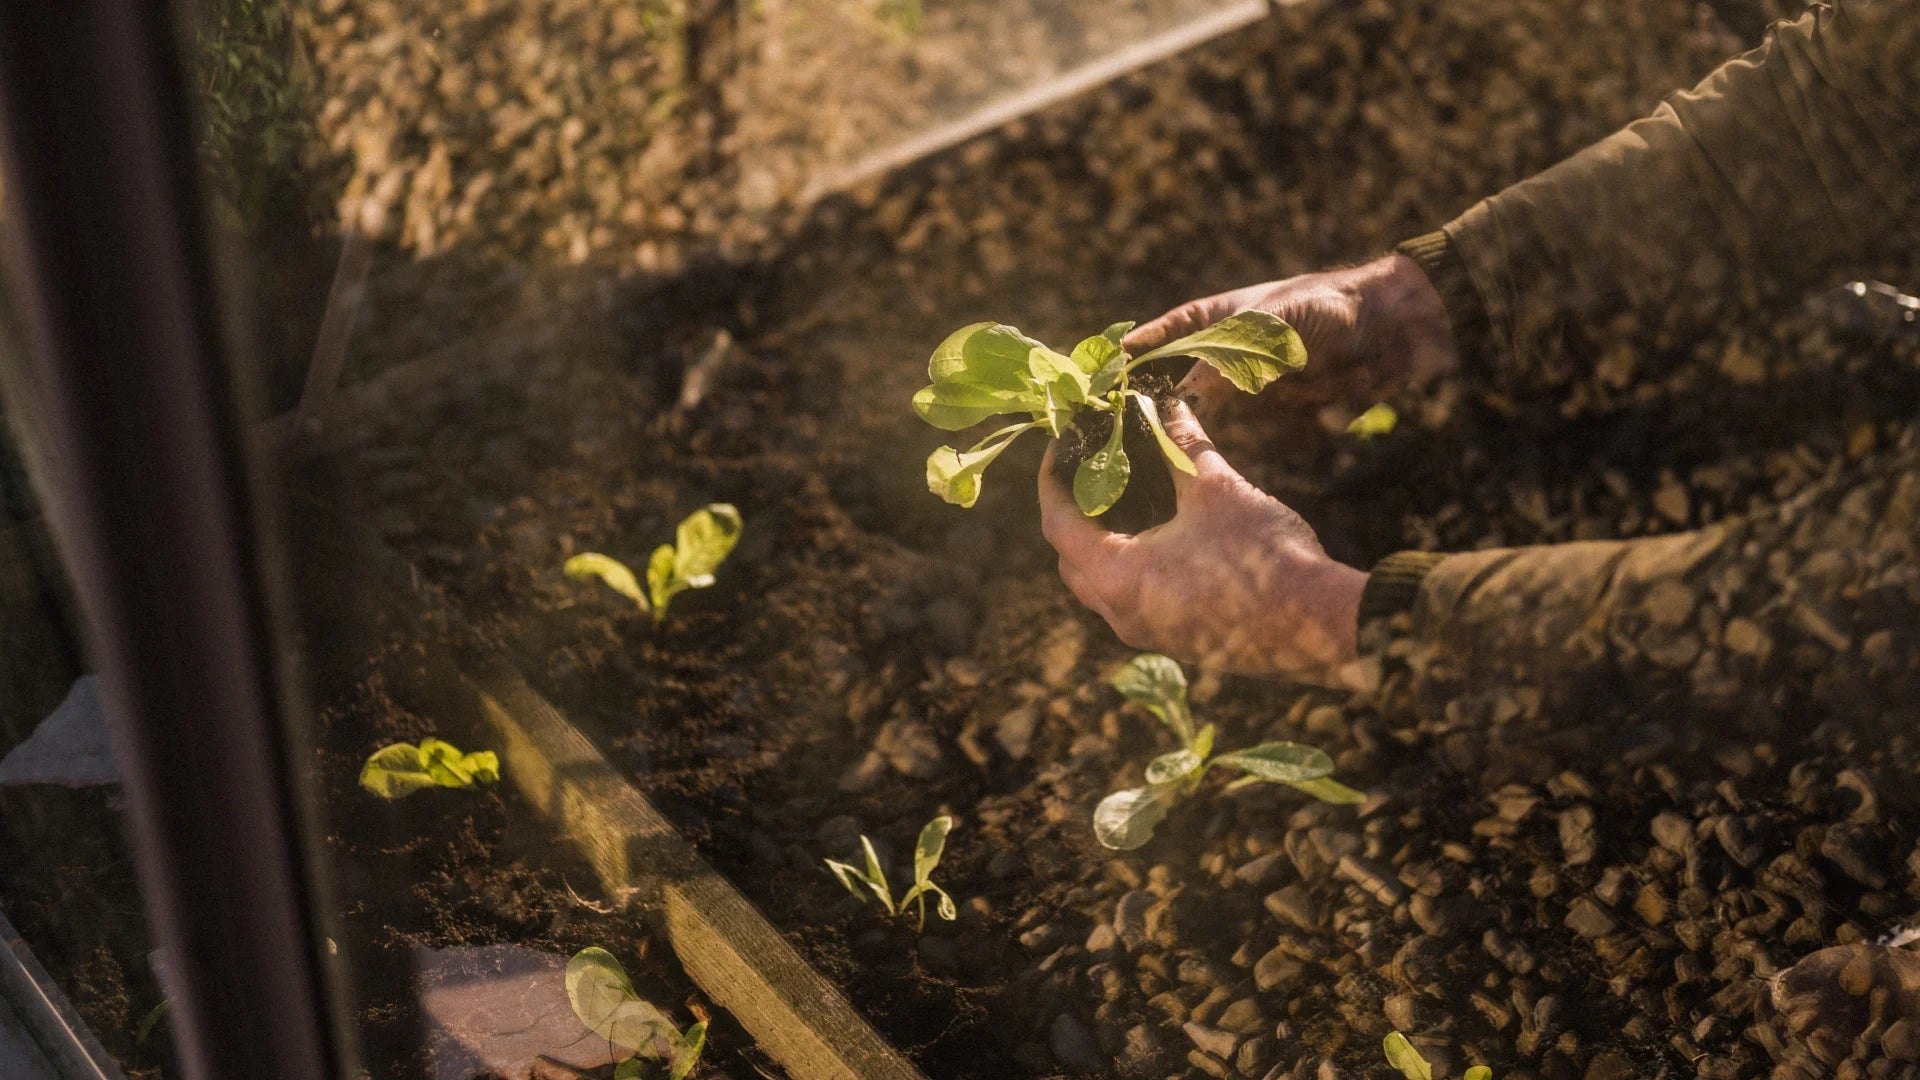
(1593, 889)
(1149, 498)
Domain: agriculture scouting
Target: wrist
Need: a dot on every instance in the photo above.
(1421, 332)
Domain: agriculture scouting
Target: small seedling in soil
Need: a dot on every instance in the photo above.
(1379, 420)
(605, 1001)
(1401, 1055)
(394, 772)
(702, 542)
(991, 369)
(1126, 819)
(871, 884)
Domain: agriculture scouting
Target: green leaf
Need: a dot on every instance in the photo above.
(1059, 373)
(150, 1021)
(686, 1052)
(877, 877)
(1118, 331)
(592, 564)
(399, 770)
(1172, 766)
(660, 583)
(997, 356)
(955, 405)
(604, 999)
(954, 475)
(1478, 1072)
(1327, 789)
(1401, 1055)
(1251, 349)
(948, 357)
(1175, 456)
(1288, 763)
(703, 541)
(1094, 353)
(1157, 682)
(1203, 742)
(1102, 478)
(928, 849)
(630, 1069)
(1125, 820)
(1379, 420)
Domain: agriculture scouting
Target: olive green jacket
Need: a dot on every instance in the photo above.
(1789, 170)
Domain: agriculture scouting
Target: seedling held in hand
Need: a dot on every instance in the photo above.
(703, 542)
(1126, 819)
(399, 770)
(604, 999)
(871, 883)
(1401, 1055)
(991, 369)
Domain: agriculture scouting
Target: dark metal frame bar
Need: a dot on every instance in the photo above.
(126, 406)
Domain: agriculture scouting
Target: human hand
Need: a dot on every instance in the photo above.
(1367, 328)
(1235, 581)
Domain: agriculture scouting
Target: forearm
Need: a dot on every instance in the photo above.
(1817, 600)
(1785, 171)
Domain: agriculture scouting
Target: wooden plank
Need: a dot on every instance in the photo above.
(57, 1029)
(722, 940)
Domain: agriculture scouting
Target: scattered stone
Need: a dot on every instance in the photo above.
(1014, 731)
(1276, 970)
(1130, 917)
(1577, 839)
(1074, 1047)
(1221, 1044)
(1373, 878)
(1673, 832)
(1589, 919)
(1295, 905)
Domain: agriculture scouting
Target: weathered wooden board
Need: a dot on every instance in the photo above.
(724, 942)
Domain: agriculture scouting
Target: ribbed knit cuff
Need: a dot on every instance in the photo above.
(1436, 256)
(1395, 583)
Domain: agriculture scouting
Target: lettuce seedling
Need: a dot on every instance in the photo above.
(871, 883)
(1126, 819)
(399, 770)
(703, 542)
(991, 369)
(1377, 421)
(605, 1001)
(1401, 1055)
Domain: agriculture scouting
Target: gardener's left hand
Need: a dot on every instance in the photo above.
(1235, 581)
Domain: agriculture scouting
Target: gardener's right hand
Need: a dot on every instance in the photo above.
(1367, 329)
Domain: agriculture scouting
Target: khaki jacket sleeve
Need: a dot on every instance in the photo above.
(1787, 170)
(1817, 600)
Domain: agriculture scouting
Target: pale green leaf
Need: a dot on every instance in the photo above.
(1102, 478)
(1094, 353)
(399, 770)
(1401, 1055)
(1478, 1072)
(630, 1069)
(1203, 742)
(956, 404)
(855, 881)
(1175, 456)
(660, 581)
(592, 564)
(1251, 349)
(1327, 789)
(1175, 765)
(703, 541)
(948, 357)
(928, 849)
(1125, 820)
(954, 475)
(1059, 373)
(877, 876)
(1157, 682)
(1118, 331)
(997, 356)
(1286, 762)
(686, 1052)
(604, 999)
(1379, 420)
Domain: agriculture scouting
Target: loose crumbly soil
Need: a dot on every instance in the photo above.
(1556, 892)
(1149, 498)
